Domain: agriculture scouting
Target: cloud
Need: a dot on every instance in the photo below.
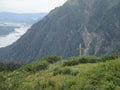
(23, 6)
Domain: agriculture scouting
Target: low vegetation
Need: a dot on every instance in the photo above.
(51, 59)
(89, 59)
(11, 66)
(76, 73)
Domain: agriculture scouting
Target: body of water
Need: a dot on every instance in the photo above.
(6, 40)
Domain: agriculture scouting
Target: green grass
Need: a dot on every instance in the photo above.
(43, 75)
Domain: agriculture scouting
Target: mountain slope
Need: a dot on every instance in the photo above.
(92, 23)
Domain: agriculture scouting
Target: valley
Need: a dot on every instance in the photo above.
(13, 26)
(10, 32)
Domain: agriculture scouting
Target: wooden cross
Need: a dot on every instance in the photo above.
(80, 49)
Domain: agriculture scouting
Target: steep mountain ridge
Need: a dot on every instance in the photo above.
(109, 30)
(78, 21)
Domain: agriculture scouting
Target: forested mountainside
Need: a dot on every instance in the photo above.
(93, 23)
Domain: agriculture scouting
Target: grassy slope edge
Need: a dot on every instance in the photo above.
(45, 74)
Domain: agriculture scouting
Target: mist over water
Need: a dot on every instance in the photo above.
(6, 40)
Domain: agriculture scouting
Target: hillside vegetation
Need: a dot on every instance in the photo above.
(76, 73)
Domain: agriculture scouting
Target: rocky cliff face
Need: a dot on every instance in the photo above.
(93, 23)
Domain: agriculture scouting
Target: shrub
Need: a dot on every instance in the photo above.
(84, 59)
(51, 59)
(71, 61)
(10, 66)
(2, 78)
(41, 66)
(110, 57)
(56, 71)
(65, 71)
(105, 77)
(74, 73)
(92, 59)
(69, 84)
(109, 86)
(28, 68)
(51, 83)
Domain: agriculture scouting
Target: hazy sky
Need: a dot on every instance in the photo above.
(32, 6)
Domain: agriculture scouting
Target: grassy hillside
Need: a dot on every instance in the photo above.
(76, 73)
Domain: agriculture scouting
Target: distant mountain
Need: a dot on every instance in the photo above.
(93, 23)
(28, 18)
